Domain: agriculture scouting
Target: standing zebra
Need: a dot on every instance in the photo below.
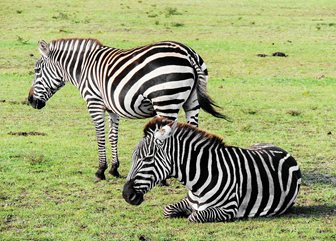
(224, 182)
(156, 79)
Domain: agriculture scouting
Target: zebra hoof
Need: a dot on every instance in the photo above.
(100, 176)
(114, 171)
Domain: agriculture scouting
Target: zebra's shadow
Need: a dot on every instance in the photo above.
(319, 210)
(316, 211)
(311, 178)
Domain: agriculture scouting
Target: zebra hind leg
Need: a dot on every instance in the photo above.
(113, 138)
(191, 108)
(178, 210)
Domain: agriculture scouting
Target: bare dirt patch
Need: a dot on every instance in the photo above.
(294, 112)
(312, 178)
(275, 54)
(279, 54)
(15, 102)
(24, 133)
(143, 238)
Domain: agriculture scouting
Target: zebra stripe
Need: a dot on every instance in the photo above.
(223, 182)
(157, 79)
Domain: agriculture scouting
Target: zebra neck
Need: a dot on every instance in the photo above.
(192, 159)
(71, 55)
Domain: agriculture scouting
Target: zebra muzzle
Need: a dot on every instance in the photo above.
(130, 195)
(36, 103)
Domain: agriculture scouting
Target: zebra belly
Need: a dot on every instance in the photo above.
(161, 91)
(142, 108)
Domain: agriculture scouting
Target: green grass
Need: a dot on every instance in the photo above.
(47, 189)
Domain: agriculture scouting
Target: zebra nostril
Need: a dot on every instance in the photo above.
(130, 195)
(40, 104)
(133, 196)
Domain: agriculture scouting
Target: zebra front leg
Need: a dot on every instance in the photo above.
(178, 210)
(113, 137)
(215, 214)
(226, 212)
(98, 115)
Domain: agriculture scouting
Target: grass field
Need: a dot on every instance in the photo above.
(47, 188)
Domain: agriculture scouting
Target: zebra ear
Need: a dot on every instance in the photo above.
(165, 131)
(173, 125)
(43, 47)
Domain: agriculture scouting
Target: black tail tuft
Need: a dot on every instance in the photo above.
(204, 100)
(207, 104)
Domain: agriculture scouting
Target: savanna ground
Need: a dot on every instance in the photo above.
(48, 157)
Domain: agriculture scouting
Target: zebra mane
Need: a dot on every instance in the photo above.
(55, 44)
(155, 124)
(158, 122)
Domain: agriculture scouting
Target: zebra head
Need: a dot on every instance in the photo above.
(48, 78)
(151, 164)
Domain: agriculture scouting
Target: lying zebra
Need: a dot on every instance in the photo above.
(224, 182)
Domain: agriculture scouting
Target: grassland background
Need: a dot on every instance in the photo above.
(47, 190)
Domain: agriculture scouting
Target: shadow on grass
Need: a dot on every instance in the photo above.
(316, 211)
(309, 178)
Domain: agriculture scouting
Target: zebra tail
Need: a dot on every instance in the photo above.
(204, 100)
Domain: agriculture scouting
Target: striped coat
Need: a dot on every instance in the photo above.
(157, 79)
(223, 182)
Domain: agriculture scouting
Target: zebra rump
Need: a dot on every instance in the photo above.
(224, 182)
